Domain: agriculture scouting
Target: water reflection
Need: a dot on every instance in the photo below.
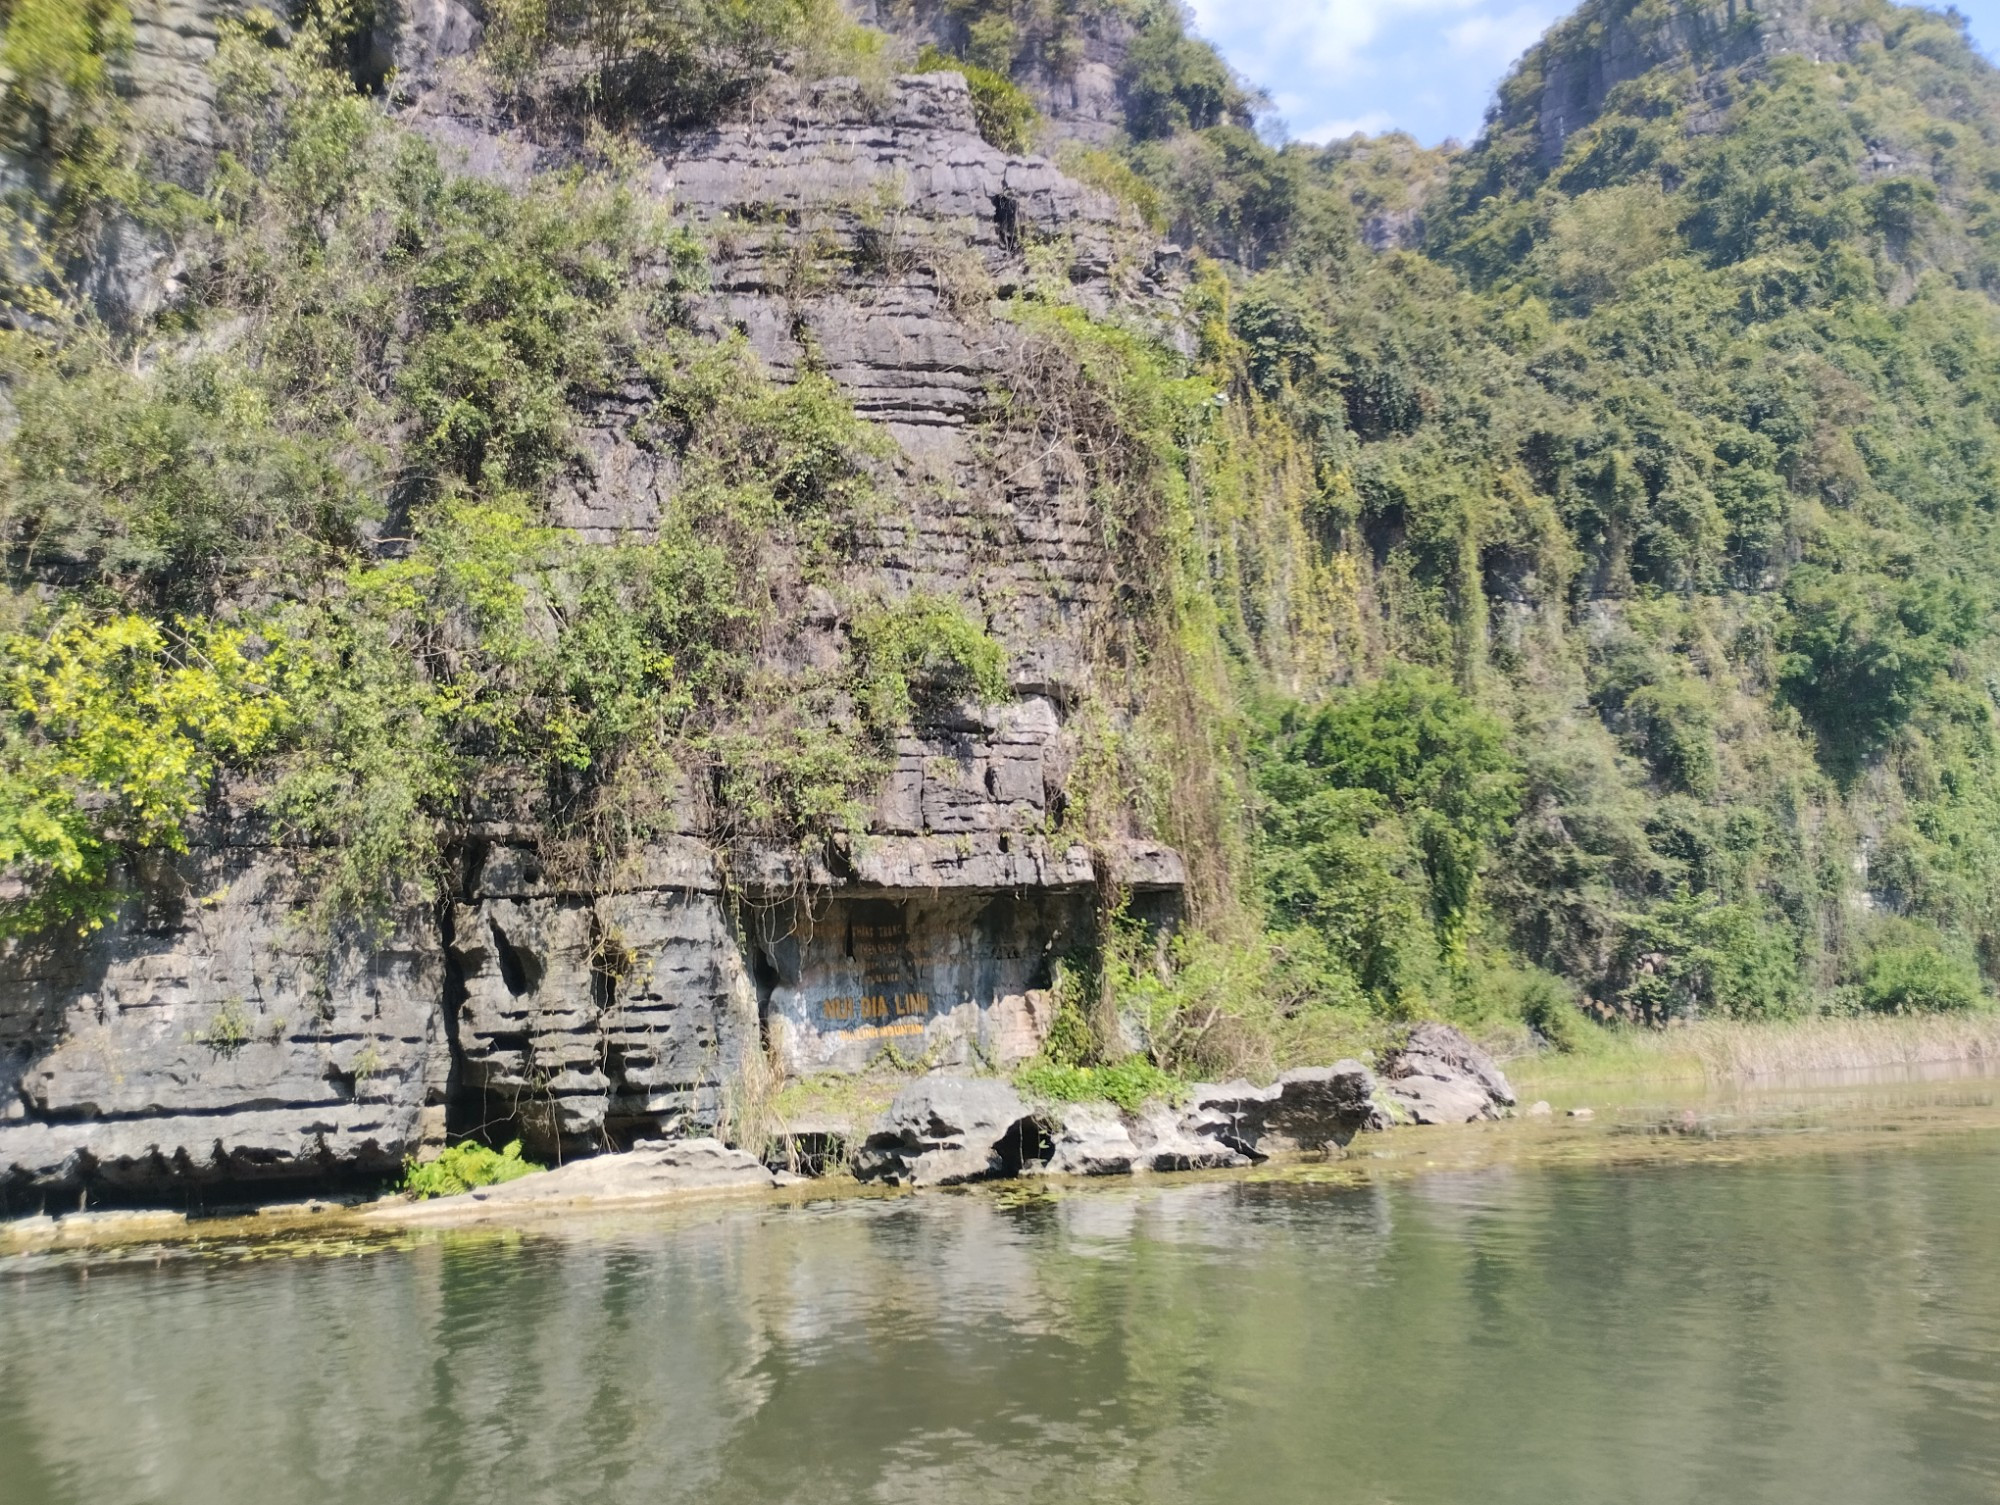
(1798, 1330)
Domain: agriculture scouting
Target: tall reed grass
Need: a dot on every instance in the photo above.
(1726, 1050)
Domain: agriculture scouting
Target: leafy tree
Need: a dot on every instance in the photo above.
(115, 732)
(1174, 83)
(1864, 652)
(1380, 810)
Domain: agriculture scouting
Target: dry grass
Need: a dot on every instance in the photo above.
(1829, 1045)
(1721, 1051)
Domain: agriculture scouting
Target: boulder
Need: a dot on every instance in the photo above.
(1093, 1142)
(1308, 1109)
(944, 1130)
(1439, 1077)
(1166, 1142)
(652, 1172)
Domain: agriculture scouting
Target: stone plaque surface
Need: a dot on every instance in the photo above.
(947, 979)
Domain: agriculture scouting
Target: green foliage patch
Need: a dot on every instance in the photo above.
(1007, 117)
(114, 733)
(1130, 1084)
(463, 1168)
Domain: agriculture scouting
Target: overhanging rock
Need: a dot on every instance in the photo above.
(591, 1020)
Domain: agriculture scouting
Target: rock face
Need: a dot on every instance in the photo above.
(582, 1047)
(208, 1040)
(648, 1173)
(1308, 1109)
(1093, 1141)
(212, 1040)
(1069, 59)
(1440, 1077)
(945, 1130)
(166, 75)
(1564, 79)
(933, 937)
(1437, 1077)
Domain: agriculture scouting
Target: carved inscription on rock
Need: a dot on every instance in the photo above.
(951, 978)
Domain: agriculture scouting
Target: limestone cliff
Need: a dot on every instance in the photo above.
(1561, 85)
(201, 1039)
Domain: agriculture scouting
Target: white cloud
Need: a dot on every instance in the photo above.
(1330, 36)
(1501, 37)
(1427, 66)
(1372, 124)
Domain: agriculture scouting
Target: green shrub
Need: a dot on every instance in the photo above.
(171, 482)
(1007, 117)
(1130, 1083)
(1865, 652)
(1111, 173)
(1908, 972)
(1379, 812)
(1544, 1002)
(1173, 82)
(1695, 954)
(114, 732)
(674, 60)
(919, 657)
(464, 1167)
(1076, 984)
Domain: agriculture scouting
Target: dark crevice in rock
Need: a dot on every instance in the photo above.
(1007, 220)
(764, 977)
(462, 1108)
(519, 969)
(157, 1113)
(1026, 1143)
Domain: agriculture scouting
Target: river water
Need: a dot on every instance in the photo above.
(1797, 1306)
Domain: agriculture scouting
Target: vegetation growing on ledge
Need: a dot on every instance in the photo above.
(1006, 116)
(466, 1167)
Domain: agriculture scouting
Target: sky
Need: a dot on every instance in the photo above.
(1428, 67)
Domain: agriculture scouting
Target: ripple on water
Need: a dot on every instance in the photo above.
(1543, 1314)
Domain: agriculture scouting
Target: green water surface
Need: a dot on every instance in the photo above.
(1809, 1327)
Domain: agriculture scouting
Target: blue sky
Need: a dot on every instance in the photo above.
(1424, 66)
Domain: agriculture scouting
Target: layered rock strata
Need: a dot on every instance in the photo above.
(210, 1038)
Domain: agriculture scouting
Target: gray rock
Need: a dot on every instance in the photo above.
(945, 1130)
(413, 36)
(1166, 1142)
(1440, 1077)
(1093, 1142)
(1540, 1110)
(1308, 1109)
(214, 1040)
(207, 1041)
(652, 1172)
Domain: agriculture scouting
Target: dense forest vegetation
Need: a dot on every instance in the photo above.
(1645, 491)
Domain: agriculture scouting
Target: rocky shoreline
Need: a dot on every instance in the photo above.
(699, 1178)
(948, 1129)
